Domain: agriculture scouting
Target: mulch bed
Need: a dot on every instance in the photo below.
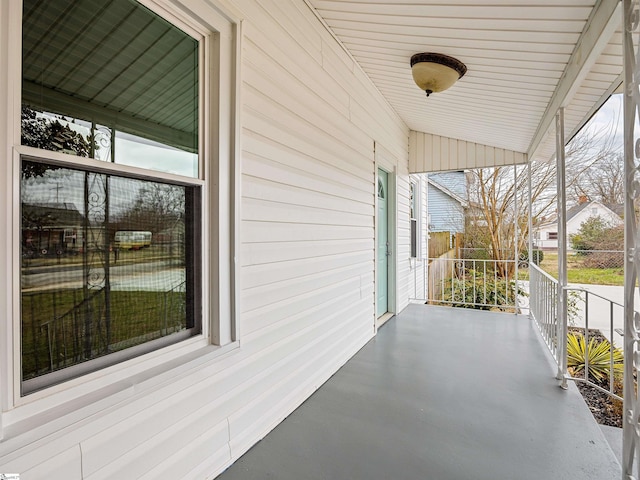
(593, 333)
(605, 409)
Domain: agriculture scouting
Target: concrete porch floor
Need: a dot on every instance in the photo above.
(442, 394)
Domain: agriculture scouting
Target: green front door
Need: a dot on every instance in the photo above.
(382, 276)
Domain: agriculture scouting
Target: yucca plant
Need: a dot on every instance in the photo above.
(598, 353)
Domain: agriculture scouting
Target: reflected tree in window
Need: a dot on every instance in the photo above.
(49, 133)
(104, 265)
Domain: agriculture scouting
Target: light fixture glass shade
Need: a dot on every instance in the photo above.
(434, 72)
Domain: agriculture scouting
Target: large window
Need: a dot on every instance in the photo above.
(109, 254)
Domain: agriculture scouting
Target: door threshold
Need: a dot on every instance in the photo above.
(382, 319)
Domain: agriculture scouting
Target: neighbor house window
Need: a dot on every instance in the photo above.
(552, 235)
(413, 218)
(109, 254)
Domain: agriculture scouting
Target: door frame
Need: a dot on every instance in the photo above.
(384, 161)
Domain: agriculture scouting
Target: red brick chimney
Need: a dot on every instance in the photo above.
(582, 199)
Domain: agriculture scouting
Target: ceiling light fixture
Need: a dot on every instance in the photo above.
(435, 72)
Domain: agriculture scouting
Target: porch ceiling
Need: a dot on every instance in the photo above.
(524, 59)
(147, 80)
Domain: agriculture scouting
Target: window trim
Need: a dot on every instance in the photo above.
(220, 29)
(45, 381)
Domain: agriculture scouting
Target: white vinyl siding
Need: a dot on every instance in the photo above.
(433, 153)
(446, 213)
(307, 231)
(309, 121)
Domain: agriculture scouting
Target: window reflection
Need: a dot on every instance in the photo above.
(140, 152)
(105, 264)
(124, 90)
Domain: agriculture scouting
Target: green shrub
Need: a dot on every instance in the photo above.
(471, 289)
(537, 256)
(592, 232)
(574, 311)
(598, 353)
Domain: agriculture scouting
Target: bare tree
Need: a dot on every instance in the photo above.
(603, 180)
(156, 207)
(494, 212)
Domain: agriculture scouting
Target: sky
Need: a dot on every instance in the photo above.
(609, 119)
(137, 152)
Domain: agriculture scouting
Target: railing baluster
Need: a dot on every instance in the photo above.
(586, 336)
(506, 284)
(48, 326)
(553, 291)
(496, 277)
(547, 311)
(463, 276)
(474, 282)
(34, 332)
(611, 347)
(442, 270)
(453, 290)
(56, 340)
(484, 281)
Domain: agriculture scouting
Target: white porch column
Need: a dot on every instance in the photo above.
(631, 410)
(530, 219)
(562, 250)
(516, 219)
(530, 237)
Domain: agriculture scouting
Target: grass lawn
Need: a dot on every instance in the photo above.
(578, 273)
(60, 329)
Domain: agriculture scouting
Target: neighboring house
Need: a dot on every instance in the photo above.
(546, 233)
(418, 234)
(51, 229)
(418, 215)
(475, 215)
(447, 201)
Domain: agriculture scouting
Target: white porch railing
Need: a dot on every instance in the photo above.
(543, 306)
(470, 283)
(473, 283)
(544, 310)
(613, 309)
